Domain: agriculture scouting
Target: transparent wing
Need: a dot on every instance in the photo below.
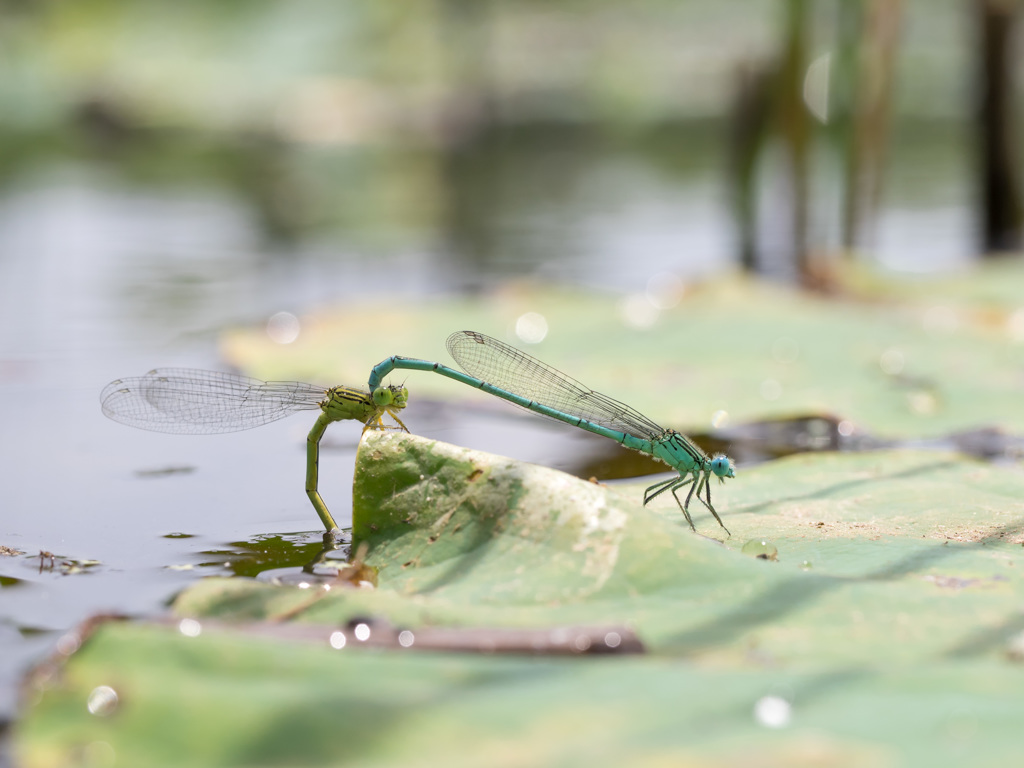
(193, 402)
(510, 369)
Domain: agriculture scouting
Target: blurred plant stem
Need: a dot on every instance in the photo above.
(769, 104)
(1000, 195)
(850, 91)
(795, 124)
(749, 130)
(868, 40)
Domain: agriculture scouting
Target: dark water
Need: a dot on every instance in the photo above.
(102, 276)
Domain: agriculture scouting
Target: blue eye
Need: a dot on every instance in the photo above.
(722, 467)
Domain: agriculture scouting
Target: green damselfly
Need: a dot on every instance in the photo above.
(188, 401)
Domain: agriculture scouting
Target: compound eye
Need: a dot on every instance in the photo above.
(382, 396)
(722, 467)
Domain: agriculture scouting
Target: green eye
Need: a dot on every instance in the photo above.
(383, 396)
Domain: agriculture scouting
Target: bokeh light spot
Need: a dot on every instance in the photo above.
(102, 701)
(637, 312)
(891, 361)
(773, 712)
(531, 327)
(665, 290)
(771, 390)
(283, 328)
(190, 627)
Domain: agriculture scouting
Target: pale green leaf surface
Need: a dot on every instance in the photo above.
(215, 701)
(894, 646)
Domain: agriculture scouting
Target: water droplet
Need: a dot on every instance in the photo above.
(760, 548)
(773, 712)
(102, 701)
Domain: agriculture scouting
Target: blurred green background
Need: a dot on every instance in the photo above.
(483, 140)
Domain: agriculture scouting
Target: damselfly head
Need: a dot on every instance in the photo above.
(396, 397)
(401, 397)
(722, 466)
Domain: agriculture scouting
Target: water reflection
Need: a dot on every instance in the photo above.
(272, 551)
(305, 560)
